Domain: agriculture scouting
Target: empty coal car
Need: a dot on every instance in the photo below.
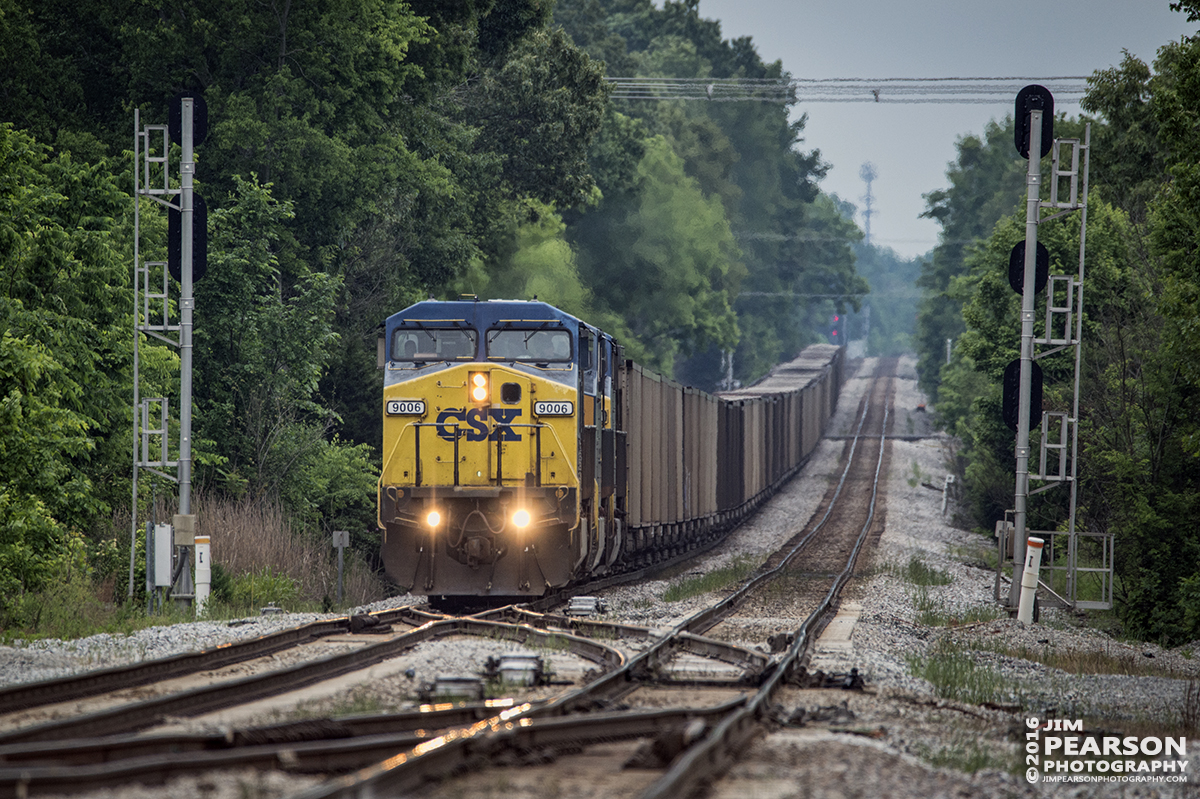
(523, 452)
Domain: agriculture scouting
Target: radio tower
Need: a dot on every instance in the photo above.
(867, 173)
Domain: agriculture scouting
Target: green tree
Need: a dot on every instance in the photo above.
(985, 185)
(538, 113)
(266, 340)
(746, 155)
(1145, 449)
(1127, 157)
(541, 264)
(670, 265)
(64, 356)
(892, 300)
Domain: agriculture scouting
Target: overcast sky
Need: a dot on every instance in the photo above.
(911, 145)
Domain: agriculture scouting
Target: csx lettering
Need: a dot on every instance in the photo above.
(472, 424)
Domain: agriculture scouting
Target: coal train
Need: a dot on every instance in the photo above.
(522, 452)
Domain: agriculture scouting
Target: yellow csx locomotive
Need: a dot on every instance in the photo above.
(491, 418)
(522, 452)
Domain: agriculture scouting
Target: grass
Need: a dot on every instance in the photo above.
(257, 558)
(359, 701)
(932, 613)
(915, 480)
(955, 675)
(499, 688)
(969, 757)
(977, 555)
(1088, 662)
(917, 572)
(724, 577)
(554, 643)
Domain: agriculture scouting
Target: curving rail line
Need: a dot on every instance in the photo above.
(521, 726)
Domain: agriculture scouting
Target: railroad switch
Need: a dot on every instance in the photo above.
(660, 752)
(847, 681)
(448, 687)
(779, 642)
(366, 624)
(586, 606)
(824, 714)
(517, 668)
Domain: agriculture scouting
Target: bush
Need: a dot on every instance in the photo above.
(254, 547)
(262, 587)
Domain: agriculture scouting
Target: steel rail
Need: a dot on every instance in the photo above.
(422, 722)
(688, 642)
(525, 721)
(323, 756)
(64, 689)
(142, 715)
(24, 696)
(712, 755)
(466, 747)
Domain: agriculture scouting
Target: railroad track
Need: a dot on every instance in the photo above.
(399, 752)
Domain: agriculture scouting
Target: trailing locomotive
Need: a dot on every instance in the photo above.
(522, 452)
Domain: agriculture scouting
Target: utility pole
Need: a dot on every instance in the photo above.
(868, 174)
(1021, 491)
(185, 521)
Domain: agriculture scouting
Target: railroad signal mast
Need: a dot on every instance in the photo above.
(1062, 329)
(186, 262)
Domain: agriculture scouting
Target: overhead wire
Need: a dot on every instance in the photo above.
(888, 90)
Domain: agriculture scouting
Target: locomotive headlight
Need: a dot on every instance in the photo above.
(434, 518)
(477, 385)
(521, 518)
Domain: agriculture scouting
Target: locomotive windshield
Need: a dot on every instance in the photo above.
(432, 344)
(543, 346)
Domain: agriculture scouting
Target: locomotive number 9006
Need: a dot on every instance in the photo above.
(406, 407)
(554, 408)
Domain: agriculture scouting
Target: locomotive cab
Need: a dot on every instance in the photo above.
(489, 478)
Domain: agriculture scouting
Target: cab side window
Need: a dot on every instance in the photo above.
(587, 359)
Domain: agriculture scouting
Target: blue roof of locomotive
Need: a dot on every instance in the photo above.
(482, 315)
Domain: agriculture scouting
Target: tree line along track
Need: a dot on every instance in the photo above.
(470, 736)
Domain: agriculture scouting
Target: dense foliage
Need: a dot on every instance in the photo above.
(1139, 461)
(361, 155)
(364, 154)
(724, 185)
(65, 359)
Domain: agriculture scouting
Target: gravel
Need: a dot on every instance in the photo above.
(46, 659)
(915, 726)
